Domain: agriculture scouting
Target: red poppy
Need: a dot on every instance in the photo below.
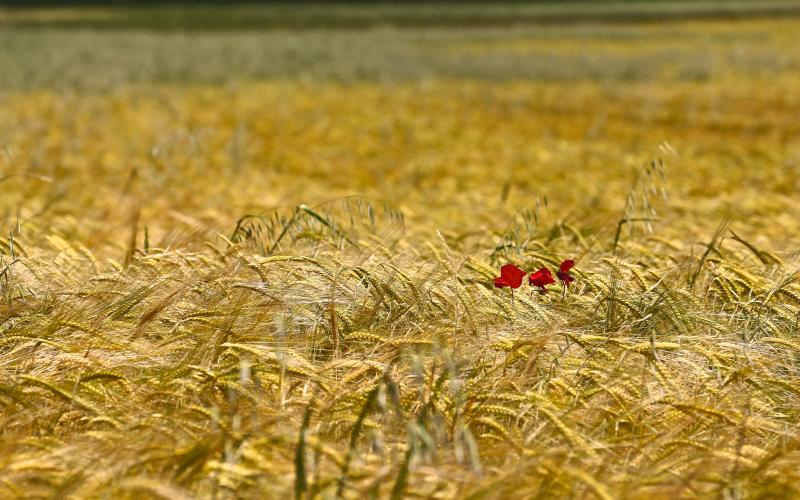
(563, 274)
(510, 275)
(541, 278)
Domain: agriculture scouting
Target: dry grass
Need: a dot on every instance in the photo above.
(165, 331)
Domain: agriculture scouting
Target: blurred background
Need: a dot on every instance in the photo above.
(102, 44)
(460, 114)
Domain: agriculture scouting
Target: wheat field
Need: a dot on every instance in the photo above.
(278, 283)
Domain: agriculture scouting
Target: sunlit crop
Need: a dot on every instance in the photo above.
(288, 287)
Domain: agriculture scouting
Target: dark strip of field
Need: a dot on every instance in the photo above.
(204, 16)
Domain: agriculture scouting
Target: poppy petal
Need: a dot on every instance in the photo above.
(510, 275)
(541, 278)
(567, 265)
(565, 278)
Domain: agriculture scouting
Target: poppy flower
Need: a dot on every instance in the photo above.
(541, 278)
(510, 275)
(564, 275)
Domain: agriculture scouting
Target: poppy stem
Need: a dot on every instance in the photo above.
(512, 298)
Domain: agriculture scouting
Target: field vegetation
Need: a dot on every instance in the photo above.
(259, 263)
